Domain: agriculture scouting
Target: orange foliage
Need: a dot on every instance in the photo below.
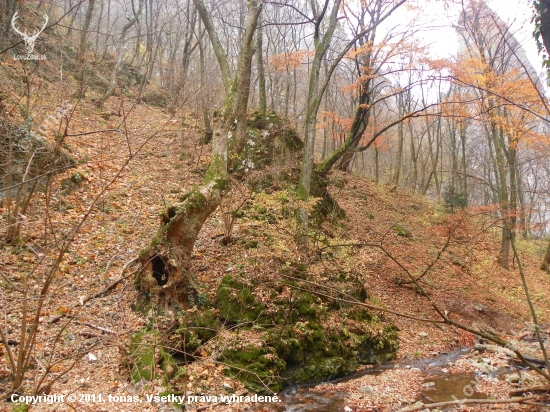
(289, 60)
(337, 126)
(509, 100)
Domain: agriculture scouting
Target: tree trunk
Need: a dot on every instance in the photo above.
(313, 101)
(261, 70)
(83, 47)
(244, 75)
(546, 261)
(112, 85)
(179, 87)
(165, 263)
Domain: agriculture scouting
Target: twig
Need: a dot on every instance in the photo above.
(110, 262)
(465, 401)
(91, 325)
(498, 349)
(90, 335)
(113, 284)
(521, 391)
(11, 283)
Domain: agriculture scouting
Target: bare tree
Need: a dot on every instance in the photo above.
(165, 263)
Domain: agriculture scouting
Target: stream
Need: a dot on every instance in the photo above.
(439, 386)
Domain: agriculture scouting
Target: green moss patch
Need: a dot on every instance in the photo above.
(148, 359)
(291, 337)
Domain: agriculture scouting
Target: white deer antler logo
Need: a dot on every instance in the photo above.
(29, 40)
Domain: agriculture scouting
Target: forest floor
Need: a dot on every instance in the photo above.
(151, 163)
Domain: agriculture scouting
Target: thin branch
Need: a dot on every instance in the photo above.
(468, 401)
(352, 302)
(113, 284)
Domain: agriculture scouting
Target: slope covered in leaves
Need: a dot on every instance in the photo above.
(124, 179)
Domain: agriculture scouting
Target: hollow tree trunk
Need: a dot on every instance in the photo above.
(165, 263)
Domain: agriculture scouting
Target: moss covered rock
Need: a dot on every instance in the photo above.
(236, 302)
(196, 328)
(258, 367)
(148, 359)
(271, 152)
(287, 340)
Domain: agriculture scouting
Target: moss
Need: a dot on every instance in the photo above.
(258, 368)
(302, 193)
(185, 196)
(143, 254)
(19, 407)
(236, 302)
(169, 367)
(143, 352)
(305, 308)
(260, 209)
(73, 182)
(196, 200)
(251, 244)
(146, 352)
(310, 351)
(238, 213)
(401, 231)
(207, 324)
(296, 339)
(217, 172)
(155, 242)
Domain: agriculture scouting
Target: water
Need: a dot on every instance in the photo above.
(449, 388)
(302, 399)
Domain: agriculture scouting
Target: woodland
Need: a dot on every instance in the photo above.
(274, 205)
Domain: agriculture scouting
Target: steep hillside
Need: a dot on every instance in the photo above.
(130, 167)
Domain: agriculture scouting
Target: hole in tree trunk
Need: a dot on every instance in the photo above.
(160, 271)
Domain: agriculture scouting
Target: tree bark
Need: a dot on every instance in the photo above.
(83, 47)
(545, 23)
(261, 70)
(546, 261)
(244, 75)
(165, 264)
(313, 101)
